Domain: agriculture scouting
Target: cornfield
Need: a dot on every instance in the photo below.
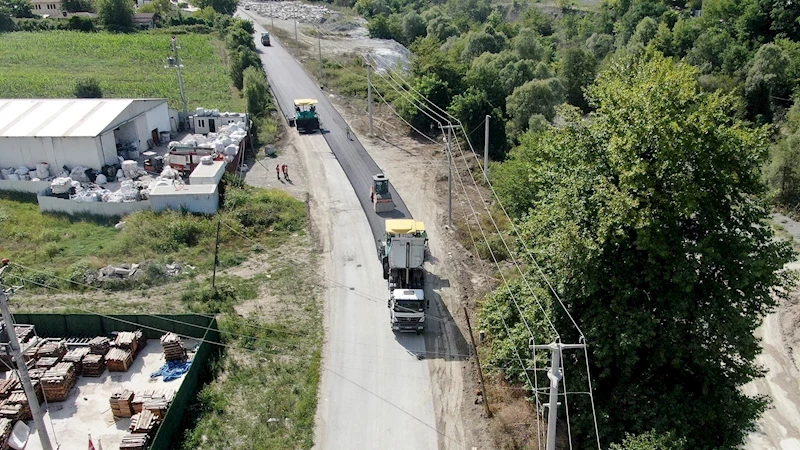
(48, 64)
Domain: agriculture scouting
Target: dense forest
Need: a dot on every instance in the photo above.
(639, 146)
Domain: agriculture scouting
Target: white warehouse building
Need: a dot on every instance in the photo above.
(76, 132)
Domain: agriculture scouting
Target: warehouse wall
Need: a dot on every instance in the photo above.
(108, 147)
(56, 151)
(158, 117)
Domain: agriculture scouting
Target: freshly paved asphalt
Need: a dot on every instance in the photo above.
(290, 81)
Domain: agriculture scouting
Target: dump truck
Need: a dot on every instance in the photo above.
(305, 117)
(402, 254)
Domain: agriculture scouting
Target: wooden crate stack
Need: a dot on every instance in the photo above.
(13, 411)
(32, 348)
(24, 332)
(155, 400)
(119, 360)
(9, 385)
(121, 403)
(144, 422)
(5, 431)
(46, 362)
(173, 349)
(19, 398)
(94, 365)
(99, 345)
(128, 340)
(37, 374)
(134, 442)
(53, 349)
(58, 381)
(76, 356)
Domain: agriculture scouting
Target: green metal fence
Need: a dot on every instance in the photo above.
(188, 325)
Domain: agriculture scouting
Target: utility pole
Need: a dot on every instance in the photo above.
(295, 34)
(33, 401)
(369, 97)
(554, 374)
(319, 47)
(216, 260)
(174, 62)
(486, 150)
(449, 150)
(272, 14)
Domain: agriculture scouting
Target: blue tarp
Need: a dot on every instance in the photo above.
(172, 370)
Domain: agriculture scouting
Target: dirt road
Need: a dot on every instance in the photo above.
(780, 426)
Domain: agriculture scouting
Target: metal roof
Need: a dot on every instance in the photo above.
(69, 117)
(305, 101)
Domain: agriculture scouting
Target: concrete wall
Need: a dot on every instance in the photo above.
(196, 202)
(56, 151)
(71, 207)
(33, 187)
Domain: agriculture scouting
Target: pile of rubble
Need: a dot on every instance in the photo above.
(303, 12)
(121, 272)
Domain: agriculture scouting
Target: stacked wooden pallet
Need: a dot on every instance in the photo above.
(58, 381)
(119, 360)
(128, 340)
(155, 400)
(144, 422)
(134, 442)
(76, 356)
(94, 365)
(46, 362)
(9, 385)
(31, 348)
(99, 345)
(36, 374)
(121, 403)
(24, 332)
(13, 411)
(173, 349)
(19, 398)
(141, 339)
(5, 430)
(56, 349)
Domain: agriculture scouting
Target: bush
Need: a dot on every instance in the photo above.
(80, 23)
(88, 88)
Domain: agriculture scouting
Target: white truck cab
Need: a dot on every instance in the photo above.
(407, 310)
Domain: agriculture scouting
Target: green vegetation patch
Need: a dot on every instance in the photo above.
(49, 64)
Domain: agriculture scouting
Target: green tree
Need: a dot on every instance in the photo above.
(221, 6)
(441, 27)
(653, 220)
(577, 71)
(238, 37)
(533, 97)
(528, 45)
(645, 31)
(116, 15)
(78, 5)
(471, 108)
(79, 23)
(88, 88)
(413, 27)
(434, 89)
(480, 42)
(600, 45)
(767, 80)
(17, 8)
(242, 58)
(256, 92)
(650, 441)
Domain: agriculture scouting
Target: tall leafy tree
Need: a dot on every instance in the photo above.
(116, 15)
(578, 68)
(533, 97)
(17, 8)
(653, 221)
(220, 6)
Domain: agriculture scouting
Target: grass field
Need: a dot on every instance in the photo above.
(47, 65)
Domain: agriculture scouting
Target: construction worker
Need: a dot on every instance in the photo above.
(278, 171)
(286, 172)
(348, 132)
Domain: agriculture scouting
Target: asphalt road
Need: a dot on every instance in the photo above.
(374, 392)
(289, 81)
